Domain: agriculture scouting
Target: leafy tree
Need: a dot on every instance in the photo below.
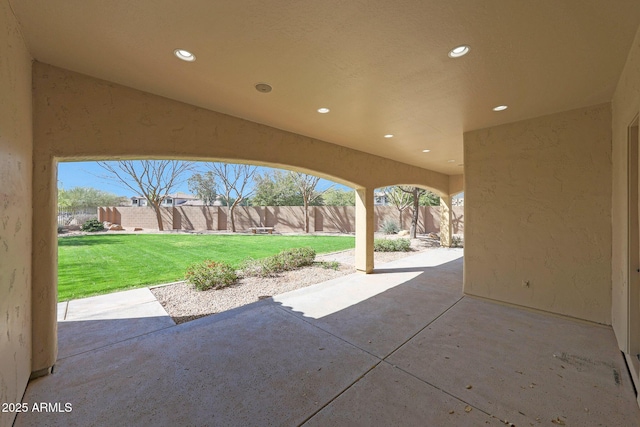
(276, 188)
(235, 183)
(154, 179)
(415, 193)
(399, 199)
(404, 196)
(307, 186)
(429, 198)
(79, 199)
(204, 186)
(337, 197)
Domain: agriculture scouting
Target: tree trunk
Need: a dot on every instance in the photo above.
(233, 223)
(235, 203)
(416, 212)
(229, 212)
(306, 216)
(156, 207)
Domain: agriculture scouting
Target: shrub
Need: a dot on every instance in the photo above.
(457, 242)
(288, 259)
(330, 265)
(392, 245)
(389, 226)
(210, 275)
(296, 258)
(92, 225)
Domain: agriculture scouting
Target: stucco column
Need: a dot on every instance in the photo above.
(446, 223)
(364, 230)
(44, 285)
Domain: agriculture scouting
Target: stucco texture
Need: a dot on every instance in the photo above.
(538, 210)
(625, 107)
(15, 212)
(80, 117)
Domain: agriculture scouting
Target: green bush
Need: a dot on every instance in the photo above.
(392, 245)
(210, 275)
(389, 226)
(457, 242)
(329, 265)
(92, 225)
(288, 259)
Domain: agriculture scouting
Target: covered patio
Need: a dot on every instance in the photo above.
(531, 108)
(402, 346)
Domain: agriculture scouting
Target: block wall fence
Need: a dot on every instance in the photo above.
(285, 219)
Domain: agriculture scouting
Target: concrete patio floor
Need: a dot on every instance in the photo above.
(402, 346)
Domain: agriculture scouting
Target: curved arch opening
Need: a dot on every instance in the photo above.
(420, 210)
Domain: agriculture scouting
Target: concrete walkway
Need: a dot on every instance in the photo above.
(91, 323)
(399, 347)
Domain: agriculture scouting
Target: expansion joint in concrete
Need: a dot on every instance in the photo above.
(329, 401)
(422, 329)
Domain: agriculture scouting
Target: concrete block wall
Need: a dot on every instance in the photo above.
(195, 218)
(335, 219)
(143, 217)
(286, 219)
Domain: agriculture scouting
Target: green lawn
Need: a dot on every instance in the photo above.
(99, 264)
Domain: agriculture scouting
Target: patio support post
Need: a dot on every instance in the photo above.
(364, 230)
(44, 270)
(446, 223)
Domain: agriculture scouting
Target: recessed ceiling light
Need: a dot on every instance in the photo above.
(425, 151)
(185, 55)
(500, 108)
(451, 161)
(263, 87)
(323, 110)
(459, 51)
(389, 135)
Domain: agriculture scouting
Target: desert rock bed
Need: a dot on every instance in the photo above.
(183, 303)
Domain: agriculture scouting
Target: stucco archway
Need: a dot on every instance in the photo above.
(77, 117)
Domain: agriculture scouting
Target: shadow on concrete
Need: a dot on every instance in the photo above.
(76, 337)
(415, 353)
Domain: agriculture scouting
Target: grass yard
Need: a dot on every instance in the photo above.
(100, 264)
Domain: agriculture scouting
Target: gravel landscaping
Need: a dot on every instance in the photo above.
(183, 303)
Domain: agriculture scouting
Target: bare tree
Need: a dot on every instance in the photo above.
(236, 181)
(153, 179)
(307, 186)
(415, 193)
(399, 199)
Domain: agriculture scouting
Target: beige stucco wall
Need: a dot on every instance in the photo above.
(15, 212)
(538, 209)
(625, 107)
(80, 117)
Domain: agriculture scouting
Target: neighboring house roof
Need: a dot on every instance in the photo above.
(177, 199)
(183, 196)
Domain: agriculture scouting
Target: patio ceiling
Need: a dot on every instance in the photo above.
(381, 67)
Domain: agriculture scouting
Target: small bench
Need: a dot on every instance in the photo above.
(269, 230)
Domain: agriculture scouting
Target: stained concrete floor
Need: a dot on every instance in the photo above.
(402, 346)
